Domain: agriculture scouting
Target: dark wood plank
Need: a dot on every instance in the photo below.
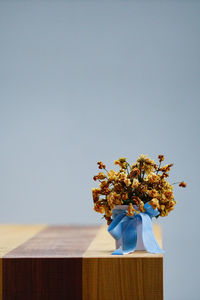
(42, 278)
(48, 266)
(56, 241)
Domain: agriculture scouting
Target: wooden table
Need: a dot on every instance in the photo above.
(40, 262)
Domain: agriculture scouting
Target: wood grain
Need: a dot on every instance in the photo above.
(74, 263)
(137, 276)
(123, 278)
(11, 236)
(42, 278)
(56, 241)
(103, 245)
(48, 266)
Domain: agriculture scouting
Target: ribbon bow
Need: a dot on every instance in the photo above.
(125, 227)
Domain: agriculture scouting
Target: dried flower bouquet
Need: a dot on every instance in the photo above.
(134, 185)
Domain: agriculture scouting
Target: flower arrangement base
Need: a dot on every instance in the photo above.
(133, 232)
(63, 262)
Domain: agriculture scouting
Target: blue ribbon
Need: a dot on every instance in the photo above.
(125, 227)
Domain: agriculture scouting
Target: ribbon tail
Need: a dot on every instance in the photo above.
(148, 236)
(118, 251)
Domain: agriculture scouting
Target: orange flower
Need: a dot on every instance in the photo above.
(124, 196)
(152, 193)
(99, 208)
(182, 184)
(130, 210)
(127, 182)
(168, 194)
(135, 183)
(141, 206)
(121, 162)
(99, 176)
(135, 172)
(166, 168)
(161, 157)
(112, 175)
(108, 213)
(136, 200)
(154, 203)
(101, 165)
(153, 178)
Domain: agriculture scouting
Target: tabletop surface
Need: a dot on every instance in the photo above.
(61, 241)
(43, 262)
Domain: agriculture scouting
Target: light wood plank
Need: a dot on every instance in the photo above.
(103, 245)
(137, 276)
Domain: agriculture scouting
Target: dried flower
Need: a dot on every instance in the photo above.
(154, 203)
(135, 184)
(111, 175)
(136, 200)
(152, 193)
(161, 157)
(99, 176)
(101, 165)
(135, 172)
(121, 162)
(141, 207)
(182, 184)
(145, 164)
(130, 210)
(127, 182)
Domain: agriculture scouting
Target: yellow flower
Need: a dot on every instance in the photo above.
(152, 193)
(111, 175)
(135, 183)
(145, 163)
(170, 208)
(163, 213)
(121, 162)
(108, 213)
(168, 194)
(135, 172)
(166, 168)
(154, 203)
(130, 210)
(99, 176)
(110, 199)
(142, 188)
(141, 207)
(142, 183)
(122, 159)
(124, 196)
(162, 207)
(122, 176)
(127, 182)
(118, 187)
(153, 178)
(104, 184)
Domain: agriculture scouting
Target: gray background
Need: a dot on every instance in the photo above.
(88, 81)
